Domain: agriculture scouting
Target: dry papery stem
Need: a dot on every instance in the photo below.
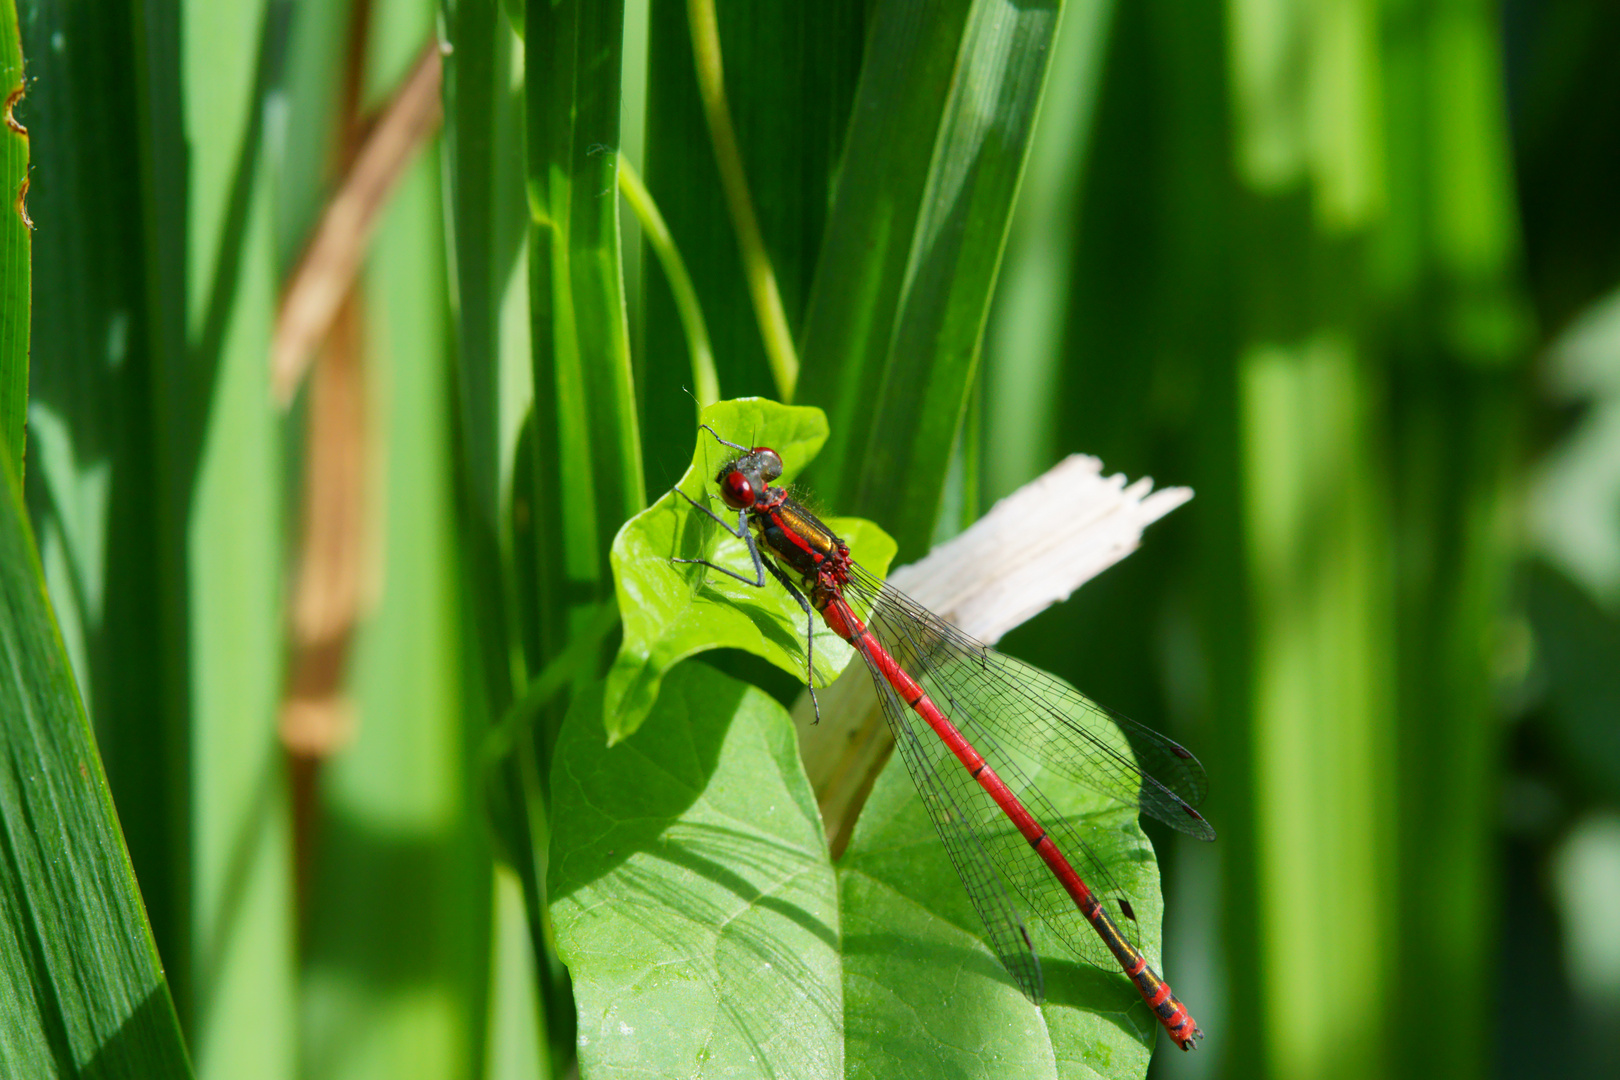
(321, 324)
(324, 274)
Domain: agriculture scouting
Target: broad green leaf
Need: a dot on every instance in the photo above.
(15, 241)
(707, 932)
(672, 610)
(692, 895)
(931, 167)
(920, 984)
(82, 986)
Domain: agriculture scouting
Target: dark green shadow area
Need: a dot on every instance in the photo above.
(76, 954)
(365, 943)
(926, 952)
(134, 1051)
(692, 895)
(719, 873)
(612, 803)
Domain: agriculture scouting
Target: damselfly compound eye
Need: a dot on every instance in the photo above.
(736, 490)
(770, 463)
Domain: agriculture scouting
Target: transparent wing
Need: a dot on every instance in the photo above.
(989, 853)
(954, 810)
(994, 698)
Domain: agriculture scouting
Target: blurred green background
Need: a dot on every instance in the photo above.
(1350, 269)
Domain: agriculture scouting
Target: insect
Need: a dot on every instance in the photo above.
(963, 716)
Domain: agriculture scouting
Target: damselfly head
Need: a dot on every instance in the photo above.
(745, 479)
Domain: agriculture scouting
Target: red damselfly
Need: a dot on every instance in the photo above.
(983, 713)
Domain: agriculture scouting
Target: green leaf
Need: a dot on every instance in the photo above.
(1023, 351)
(488, 223)
(707, 932)
(921, 985)
(692, 894)
(705, 381)
(80, 977)
(486, 212)
(908, 262)
(95, 488)
(220, 439)
(15, 241)
(672, 611)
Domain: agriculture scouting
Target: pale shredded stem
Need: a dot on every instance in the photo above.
(1031, 550)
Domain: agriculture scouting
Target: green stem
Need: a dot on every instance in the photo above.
(705, 381)
(773, 325)
(519, 717)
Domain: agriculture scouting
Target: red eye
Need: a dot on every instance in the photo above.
(736, 490)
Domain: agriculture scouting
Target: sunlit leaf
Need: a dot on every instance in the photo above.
(82, 986)
(672, 611)
(707, 931)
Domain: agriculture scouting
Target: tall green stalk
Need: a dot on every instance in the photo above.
(1380, 459)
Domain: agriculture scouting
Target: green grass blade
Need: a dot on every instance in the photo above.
(941, 127)
(80, 975)
(485, 225)
(705, 381)
(1316, 515)
(585, 474)
(588, 464)
(402, 853)
(1023, 353)
(1380, 433)
(223, 460)
(1452, 252)
(311, 101)
(15, 240)
(790, 74)
(761, 278)
(163, 790)
(1321, 750)
(95, 486)
(490, 290)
